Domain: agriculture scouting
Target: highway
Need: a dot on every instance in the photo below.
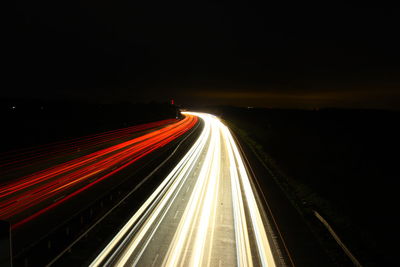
(99, 157)
(204, 213)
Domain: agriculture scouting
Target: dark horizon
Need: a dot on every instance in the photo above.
(219, 54)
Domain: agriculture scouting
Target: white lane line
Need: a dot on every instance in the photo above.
(176, 214)
(155, 260)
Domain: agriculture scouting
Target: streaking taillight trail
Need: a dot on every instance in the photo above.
(46, 189)
(16, 159)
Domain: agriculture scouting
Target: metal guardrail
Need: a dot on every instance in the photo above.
(338, 240)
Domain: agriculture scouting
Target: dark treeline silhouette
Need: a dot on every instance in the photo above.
(28, 122)
(344, 163)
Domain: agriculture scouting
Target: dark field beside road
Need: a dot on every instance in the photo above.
(342, 163)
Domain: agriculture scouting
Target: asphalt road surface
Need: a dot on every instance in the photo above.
(204, 213)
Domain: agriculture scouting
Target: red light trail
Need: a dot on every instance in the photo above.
(15, 159)
(70, 178)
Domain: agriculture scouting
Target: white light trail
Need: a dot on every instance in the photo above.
(194, 238)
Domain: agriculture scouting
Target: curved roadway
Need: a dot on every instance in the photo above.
(203, 214)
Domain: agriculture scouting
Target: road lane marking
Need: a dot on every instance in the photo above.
(155, 260)
(176, 214)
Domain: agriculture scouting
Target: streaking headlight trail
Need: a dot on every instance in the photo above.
(204, 213)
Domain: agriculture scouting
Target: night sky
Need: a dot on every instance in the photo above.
(230, 54)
